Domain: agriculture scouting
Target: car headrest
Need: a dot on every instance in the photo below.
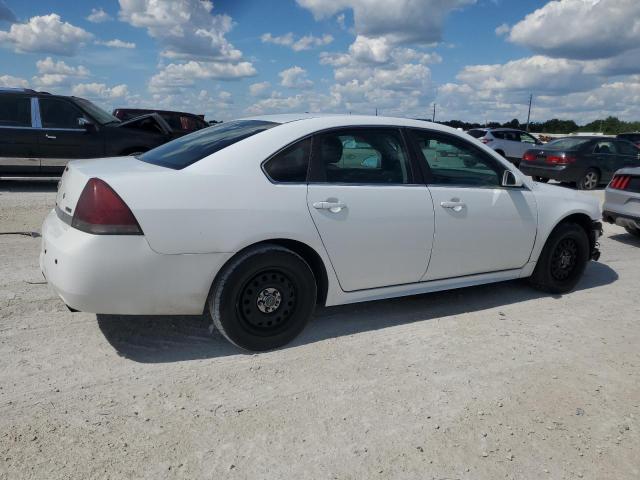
(330, 149)
(604, 149)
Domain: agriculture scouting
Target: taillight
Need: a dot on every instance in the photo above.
(620, 182)
(529, 157)
(101, 211)
(485, 140)
(561, 159)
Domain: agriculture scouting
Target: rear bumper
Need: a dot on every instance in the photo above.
(120, 274)
(621, 219)
(561, 173)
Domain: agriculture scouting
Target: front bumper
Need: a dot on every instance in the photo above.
(121, 274)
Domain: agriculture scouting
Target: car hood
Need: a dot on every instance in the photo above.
(142, 122)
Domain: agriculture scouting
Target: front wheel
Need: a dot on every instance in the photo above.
(264, 298)
(590, 180)
(563, 259)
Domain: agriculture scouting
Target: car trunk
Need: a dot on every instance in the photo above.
(548, 156)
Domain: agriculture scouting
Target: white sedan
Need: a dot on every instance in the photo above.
(256, 221)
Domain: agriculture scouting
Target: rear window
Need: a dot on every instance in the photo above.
(187, 150)
(477, 133)
(567, 143)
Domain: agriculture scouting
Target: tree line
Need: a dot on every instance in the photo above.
(608, 126)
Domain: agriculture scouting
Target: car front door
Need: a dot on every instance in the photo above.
(18, 136)
(606, 158)
(63, 138)
(374, 217)
(480, 226)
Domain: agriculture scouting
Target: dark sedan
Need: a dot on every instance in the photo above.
(584, 161)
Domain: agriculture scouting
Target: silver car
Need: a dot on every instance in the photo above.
(508, 142)
(622, 200)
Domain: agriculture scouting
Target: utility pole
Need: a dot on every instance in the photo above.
(434, 113)
(376, 111)
(529, 114)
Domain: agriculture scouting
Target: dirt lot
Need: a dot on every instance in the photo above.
(489, 382)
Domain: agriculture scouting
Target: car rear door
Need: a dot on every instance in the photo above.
(19, 135)
(480, 226)
(374, 216)
(628, 154)
(63, 138)
(606, 159)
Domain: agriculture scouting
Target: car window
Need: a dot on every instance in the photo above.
(567, 143)
(511, 136)
(499, 135)
(290, 165)
(605, 147)
(452, 161)
(184, 151)
(367, 156)
(15, 111)
(477, 133)
(626, 148)
(57, 113)
(526, 138)
(173, 120)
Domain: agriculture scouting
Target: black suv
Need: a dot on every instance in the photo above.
(40, 132)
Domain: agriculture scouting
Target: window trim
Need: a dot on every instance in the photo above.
(279, 151)
(415, 181)
(426, 170)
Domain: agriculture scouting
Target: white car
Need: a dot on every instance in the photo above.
(508, 142)
(256, 221)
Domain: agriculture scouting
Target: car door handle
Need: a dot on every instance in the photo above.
(50, 137)
(456, 205)
(333, 207)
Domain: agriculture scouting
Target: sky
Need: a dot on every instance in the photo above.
(476, 60)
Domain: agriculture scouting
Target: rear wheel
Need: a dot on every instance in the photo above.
(264, 298)
(633, 231)
(563, 259)
(590, 180)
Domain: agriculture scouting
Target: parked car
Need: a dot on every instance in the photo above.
(508, 142)
(180, 122)
(40, 132)
(256, 221)
(622, 200)
(585, 161)
(633, 137)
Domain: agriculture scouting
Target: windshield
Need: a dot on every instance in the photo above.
(567, 143)
(184, 151)
(96, 112)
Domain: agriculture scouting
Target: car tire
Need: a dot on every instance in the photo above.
(563, 259)
(633, 231)
(590, 180)
(264, 298)
(540, 179)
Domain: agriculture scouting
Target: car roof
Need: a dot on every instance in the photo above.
(150, 110)
(330, 120)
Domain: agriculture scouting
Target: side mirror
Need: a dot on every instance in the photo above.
(86, 124)
(509, 179)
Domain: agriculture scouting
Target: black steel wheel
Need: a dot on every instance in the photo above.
(263, 298)
(562, 260)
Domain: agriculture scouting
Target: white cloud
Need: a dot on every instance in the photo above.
(55, 74)
(186, 29)
(295, 77)
(306, 42)
(259, 89)
(13, 82)
(178, 76)
(116, 43)
(405, 21)
(100, 91)
(503, 29)
(45, 34)
(581, 29)
(98, 15)
(48, 65)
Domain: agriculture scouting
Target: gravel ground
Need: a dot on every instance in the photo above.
(488, 382)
